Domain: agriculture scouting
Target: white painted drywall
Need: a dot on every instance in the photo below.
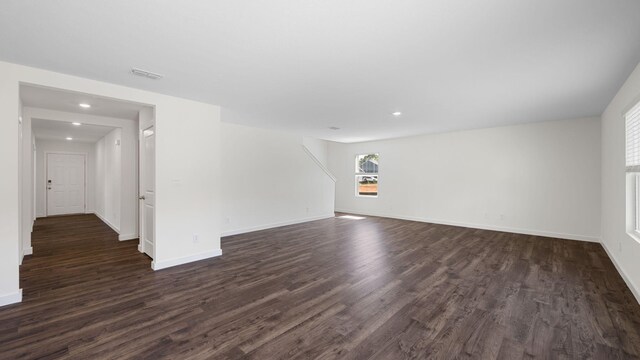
(187, 169)
(541, 178)
(109, 181)
(9, 189)
(269, 180)
(187, 181)
(44, 146)
(623, 249)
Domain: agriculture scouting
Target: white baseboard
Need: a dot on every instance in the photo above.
(25, 252)
(274, 225)
(140, 248)
(104, 220)
(479, 226)
(13, 298)
(634, 290)
(158, 265)
(128, 237)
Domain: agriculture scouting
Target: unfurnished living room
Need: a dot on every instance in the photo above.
(315, 179)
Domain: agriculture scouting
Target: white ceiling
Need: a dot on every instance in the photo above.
(304, 66)
(60, 130)
(55, 99)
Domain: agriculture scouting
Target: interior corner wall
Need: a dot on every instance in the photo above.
(539, 178)
(45, 146)
(269, 180)
(107, 155)
(623, 249)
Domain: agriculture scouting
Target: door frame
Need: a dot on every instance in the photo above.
(46, 175)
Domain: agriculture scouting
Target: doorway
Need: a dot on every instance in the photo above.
(66, 183)
(87, 160)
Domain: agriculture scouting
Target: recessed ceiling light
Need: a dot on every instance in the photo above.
(334, 128)
(76, 123)
(69, 138)
(84, 105)
(396, 113)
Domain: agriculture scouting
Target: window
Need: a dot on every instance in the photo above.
(632, 126)
(367, 175)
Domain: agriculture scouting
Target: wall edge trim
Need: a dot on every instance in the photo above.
(550, 234)
(634, 290)
(12, 298)
(159, 265)
(275, 225)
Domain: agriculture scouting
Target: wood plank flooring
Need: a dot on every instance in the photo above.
(331, 289)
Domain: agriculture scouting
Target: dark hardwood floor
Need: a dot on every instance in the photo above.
(330, 289)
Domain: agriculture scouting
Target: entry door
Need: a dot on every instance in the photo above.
(147, 189)
(65, 184)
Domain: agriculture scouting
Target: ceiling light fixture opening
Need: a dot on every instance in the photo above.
(147, 74)
(334, 128)
(69, 138)
(396, 113)
(84, 105)
(76, 123)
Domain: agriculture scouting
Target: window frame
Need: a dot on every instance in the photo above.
(358, 174)
(632, 176)
(636, 198)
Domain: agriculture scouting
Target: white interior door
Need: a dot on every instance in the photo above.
(147, 189)
(65, 184)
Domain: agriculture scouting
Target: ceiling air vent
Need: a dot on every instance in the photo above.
(147, 74)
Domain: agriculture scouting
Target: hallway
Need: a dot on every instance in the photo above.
(74, 254)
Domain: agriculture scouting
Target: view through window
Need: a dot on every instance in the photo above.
(367, 174)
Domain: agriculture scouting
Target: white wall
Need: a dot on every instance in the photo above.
(540, 178)
(623, 249)
(109, 181)
(187, 170)
(269, 180)
(44, 146)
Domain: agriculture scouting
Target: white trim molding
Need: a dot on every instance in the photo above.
(634, 290)
(275, 225)
(126, 237)
(320, 165)
(13, 298)
(104, 220)
(480, 226)
(27, 251)
(159, 265)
